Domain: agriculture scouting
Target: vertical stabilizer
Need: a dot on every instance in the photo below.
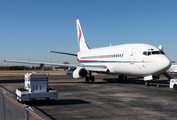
(82, 44)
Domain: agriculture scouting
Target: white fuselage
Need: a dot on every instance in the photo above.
(128, 59)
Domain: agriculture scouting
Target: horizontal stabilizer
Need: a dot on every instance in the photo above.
(63, 53)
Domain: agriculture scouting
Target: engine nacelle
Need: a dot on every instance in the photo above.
(77, 73)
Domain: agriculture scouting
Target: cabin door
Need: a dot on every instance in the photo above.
(132, 56)
(132, 60)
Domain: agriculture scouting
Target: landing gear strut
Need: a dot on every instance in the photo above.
(147, 83)
(90, 77)
(122, 78)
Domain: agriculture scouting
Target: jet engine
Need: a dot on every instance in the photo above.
(77, 73)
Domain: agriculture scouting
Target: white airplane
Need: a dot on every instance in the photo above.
(141, 60)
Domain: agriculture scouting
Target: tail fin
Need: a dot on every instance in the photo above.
(82, 44)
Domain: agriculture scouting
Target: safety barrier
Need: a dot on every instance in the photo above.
(13, 110)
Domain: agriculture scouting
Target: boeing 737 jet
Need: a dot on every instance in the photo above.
(140, 60)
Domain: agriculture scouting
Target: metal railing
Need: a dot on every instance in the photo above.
(13, 110)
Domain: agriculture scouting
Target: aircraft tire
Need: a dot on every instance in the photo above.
(87, 79)
(125, 79)
(175, 87)
(147, 83)
(92, 79)
(120, 78)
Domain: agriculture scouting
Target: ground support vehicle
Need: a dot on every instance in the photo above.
(36, 86)
(173, 84)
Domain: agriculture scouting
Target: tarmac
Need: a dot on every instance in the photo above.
(106, 99)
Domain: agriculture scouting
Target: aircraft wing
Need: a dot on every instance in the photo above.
(39, 63)
(94, 68)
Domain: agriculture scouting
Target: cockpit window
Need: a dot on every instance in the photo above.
(155, 52)
(162, 52)
(152, 52)
(146, 53)
(149, 53)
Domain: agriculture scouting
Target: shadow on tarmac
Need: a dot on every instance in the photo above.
(115, 80)
(43, 102)
(134, 81)
(12, 81)
(129, 80)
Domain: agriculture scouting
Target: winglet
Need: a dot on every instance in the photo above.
(82, 44)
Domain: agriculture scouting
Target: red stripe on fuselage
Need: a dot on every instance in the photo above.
(108, 61)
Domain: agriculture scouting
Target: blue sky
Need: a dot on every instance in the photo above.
(29, 29)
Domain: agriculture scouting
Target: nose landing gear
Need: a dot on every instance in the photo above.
(147, 83)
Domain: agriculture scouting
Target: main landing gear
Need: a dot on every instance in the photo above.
(147, 83)
(90, 78)
(122, 78)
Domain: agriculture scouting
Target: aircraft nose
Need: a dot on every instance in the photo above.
(164, 64)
